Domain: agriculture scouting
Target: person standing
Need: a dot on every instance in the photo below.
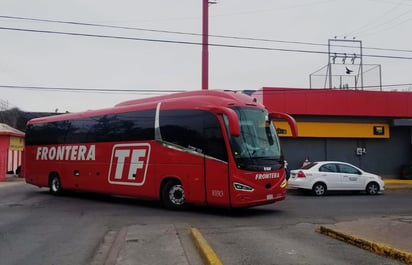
(306, 162)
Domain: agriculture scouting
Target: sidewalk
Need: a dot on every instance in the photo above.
(12, 178)
(155, 244)
(160, 244)
(386, 236)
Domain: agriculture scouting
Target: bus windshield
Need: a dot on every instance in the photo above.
(257, 147)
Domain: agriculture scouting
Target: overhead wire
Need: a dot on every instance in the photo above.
(372, 23)
(192, 42)
(90, 90)
(192, 34)
(157, 91)
(97, 90)
(158, 40)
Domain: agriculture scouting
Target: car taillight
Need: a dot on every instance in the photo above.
(301, 174)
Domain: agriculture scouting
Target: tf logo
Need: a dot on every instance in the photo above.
(128, 164)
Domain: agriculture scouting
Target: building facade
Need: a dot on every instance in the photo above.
(11, 148)
(370, 129)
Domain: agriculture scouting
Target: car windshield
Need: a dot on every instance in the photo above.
(258, 145)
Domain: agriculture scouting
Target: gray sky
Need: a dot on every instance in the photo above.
(52, 60)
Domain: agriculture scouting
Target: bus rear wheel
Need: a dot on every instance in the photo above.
(55, 184)
(173, 195)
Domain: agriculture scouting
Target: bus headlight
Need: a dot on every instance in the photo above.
(242, 187)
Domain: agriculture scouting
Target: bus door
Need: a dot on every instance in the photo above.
(217, 182)
(216, 163)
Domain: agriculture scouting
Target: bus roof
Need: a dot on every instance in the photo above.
(222, 94)
(199, 99)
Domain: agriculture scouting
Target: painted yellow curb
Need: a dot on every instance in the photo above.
(377, 248)
(403, 187)
(398, 181)
(398, 184)
(207, 253)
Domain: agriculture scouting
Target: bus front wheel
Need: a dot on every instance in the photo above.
(55, 184)
(173, 195)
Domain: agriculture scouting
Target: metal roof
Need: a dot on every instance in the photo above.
(9, 131)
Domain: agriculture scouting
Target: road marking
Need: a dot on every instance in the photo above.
(207, 253)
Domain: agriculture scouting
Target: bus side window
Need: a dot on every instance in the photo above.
(193, 129)
(214, 142)
(78, 130)
(129, 126)
(182, 127)
(47, 133)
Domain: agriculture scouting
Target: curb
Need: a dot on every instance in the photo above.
(116, 246)
(398, 187)
(207, 253)
(398, 181)
(377, 248)
(398, 184)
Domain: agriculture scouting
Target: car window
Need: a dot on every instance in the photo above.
(328, 168)
(348, 169)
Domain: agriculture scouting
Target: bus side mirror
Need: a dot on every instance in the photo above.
(291, 121)
(234, 125)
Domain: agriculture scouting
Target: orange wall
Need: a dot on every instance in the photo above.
(334, 129)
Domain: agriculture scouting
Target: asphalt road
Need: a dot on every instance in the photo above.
(38, 228)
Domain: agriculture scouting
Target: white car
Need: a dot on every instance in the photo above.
(332, 175)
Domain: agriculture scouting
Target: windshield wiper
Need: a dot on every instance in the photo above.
(267, 158)
(275, 160)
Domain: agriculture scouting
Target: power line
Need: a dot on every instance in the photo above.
(193, 34)
(143, 91)
(380, 19)
(158, 40)
(191, 42)
(159, 31)
(90, 90)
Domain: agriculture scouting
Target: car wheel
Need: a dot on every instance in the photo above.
(173, 195)
(372, 188)
(55, 184)
(319, 189)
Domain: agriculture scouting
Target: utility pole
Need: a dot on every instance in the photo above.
(4, 105)
(205, 44)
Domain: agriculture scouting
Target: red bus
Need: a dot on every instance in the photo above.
(204, 147)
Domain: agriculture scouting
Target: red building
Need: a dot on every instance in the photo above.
(11, 148)
(371, 129)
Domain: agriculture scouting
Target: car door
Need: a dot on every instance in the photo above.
(351, 177)
(330, 175)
